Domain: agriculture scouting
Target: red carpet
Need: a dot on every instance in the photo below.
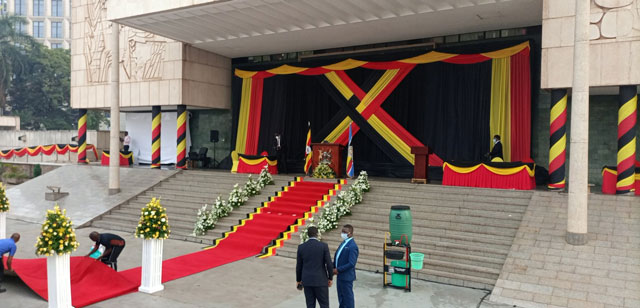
(248, 240)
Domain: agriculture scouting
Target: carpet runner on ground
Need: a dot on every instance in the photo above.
(247, 239)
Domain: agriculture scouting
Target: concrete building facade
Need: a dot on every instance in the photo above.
(48, 21)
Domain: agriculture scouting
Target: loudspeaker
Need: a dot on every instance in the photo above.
(213, 136)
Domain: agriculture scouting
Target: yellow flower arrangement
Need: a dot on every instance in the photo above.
(57, 235)
(4, 201)
(154, 223)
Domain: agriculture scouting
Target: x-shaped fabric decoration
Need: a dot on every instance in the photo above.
(370, 109)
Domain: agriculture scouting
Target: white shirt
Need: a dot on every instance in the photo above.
(127, 140)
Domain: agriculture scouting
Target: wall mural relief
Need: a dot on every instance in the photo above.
(142, 54)
(614, 19)
(97, 57)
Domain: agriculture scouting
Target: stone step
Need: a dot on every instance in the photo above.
(426, 202)
(428, 219)
(377, 208)
(394, 198)
(402, 185)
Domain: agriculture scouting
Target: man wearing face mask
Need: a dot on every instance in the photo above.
(344, 266)
(496, 152)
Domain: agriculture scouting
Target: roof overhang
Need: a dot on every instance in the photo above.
(238, 28)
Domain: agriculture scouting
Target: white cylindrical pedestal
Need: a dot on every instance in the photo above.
(3, 225)
(59, 281)
(151, 281)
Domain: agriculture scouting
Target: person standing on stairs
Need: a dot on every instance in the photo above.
(314, 270)
(344, 266)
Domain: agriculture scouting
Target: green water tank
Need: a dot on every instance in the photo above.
(400, 223)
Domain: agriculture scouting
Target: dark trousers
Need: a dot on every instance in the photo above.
(112, 257)
(282, 161)
(321, 294)
(1, 269)
(345, 294)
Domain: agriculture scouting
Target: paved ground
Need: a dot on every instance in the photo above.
(246, 283)
(88, 196)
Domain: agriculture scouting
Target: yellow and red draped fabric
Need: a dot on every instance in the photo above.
(156, 130)
(610, 178)
(45, 150)
(82, 136)
(181, 141)
(256, 164)
(126, 159)
(627, 115)
(483, 175)
(510, 99)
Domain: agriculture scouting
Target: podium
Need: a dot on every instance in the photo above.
(421, 164)
(331, 152)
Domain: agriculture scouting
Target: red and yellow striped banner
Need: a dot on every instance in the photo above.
(627, 116)
(82, 136)
(181, 150)
(558, 139)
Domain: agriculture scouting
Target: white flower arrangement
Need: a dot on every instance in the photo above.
(208, 216)
(332, 212)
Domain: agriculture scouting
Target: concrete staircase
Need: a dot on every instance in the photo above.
(465, 233)
(182, 195)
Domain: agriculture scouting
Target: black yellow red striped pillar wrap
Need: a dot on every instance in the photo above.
(181, 150)
(82, 136)
(627, 117)
(156, 127)
(558, 139)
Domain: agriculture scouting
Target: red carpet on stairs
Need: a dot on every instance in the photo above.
(88, 275)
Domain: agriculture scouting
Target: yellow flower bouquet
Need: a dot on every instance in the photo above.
(154, 223)
(57, 235)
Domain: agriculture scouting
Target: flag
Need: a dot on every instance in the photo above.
(350, 155)
(308, 154)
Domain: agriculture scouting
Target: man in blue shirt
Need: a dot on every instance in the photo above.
(344, 265)
(7, 245)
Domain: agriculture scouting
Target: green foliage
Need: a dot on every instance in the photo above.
(12, 171)
(37, 170)
(57, 235)
(95, 118)
(323, 171)
(40, 96)
(4, 201)
(13, 49)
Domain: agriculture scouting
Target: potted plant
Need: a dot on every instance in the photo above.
(4, 208)
(153, 228)
(57, 241)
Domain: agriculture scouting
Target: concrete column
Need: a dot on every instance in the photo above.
(577, 213)
(114, 88)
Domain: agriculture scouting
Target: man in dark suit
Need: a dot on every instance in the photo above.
(497, 149)
(314, 270)
(344, 265)
(279, 151)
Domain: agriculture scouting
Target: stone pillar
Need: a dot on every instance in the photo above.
(627, 115)
(577, 214)
(114, 89)
(151, 279)
(181, 150)
(558, 139)
(82, 136)
(156, 133)
(59, 281)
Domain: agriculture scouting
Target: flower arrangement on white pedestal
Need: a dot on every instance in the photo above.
(153, 228)
(57, 241)
(208, 216)
(332, 212)
(4, 208)
(154, 223)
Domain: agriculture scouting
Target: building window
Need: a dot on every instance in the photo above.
(20, 7)
(38, 7)
(56, 45)
(38, 29)
(3, 7)
(56, 29)
(21, 28)
(57, 9)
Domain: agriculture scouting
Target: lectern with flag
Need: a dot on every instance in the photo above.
(308, 153)
(350, 155)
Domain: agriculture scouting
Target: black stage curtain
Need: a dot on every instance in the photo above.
(446, 106)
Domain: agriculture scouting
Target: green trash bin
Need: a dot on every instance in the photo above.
(399, 280)
(400, 223)
(417, 259)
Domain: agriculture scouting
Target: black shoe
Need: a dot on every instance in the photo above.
(3, 290)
